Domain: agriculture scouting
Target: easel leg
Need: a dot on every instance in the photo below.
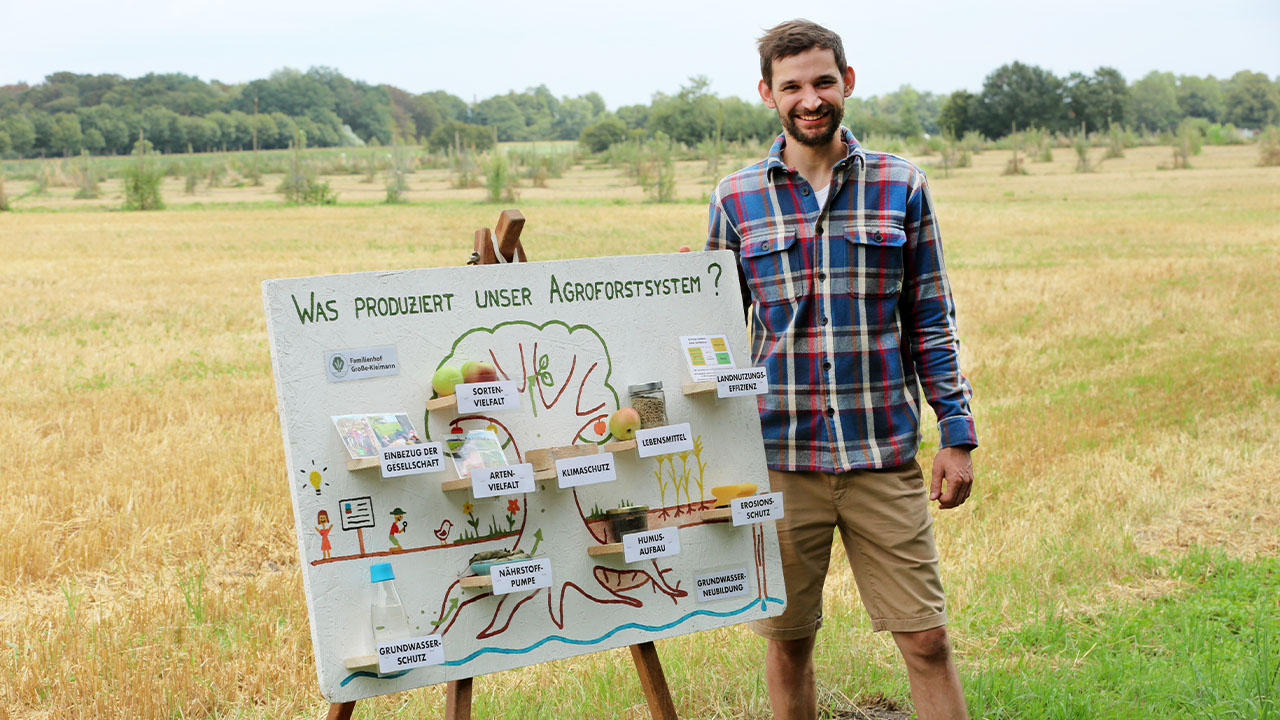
(653, 681)
(457, 700)
(341, 711)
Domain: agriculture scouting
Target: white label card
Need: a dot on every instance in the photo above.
(505, 480)
(521, 576)
(756, 508)
(650, 544)
(399, 460)
(736, 383)
(664, 440)
(721, 585)
(343, 365)
(399, 655)
(586, 470)
(487, 396)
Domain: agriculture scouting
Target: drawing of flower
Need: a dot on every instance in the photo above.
(513, 505)
(468, 508)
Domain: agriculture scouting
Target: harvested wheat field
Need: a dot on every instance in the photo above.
(1121, 329)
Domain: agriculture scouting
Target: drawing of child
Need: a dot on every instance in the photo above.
(323, 526)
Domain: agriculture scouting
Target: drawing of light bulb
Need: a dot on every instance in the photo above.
(314, 477)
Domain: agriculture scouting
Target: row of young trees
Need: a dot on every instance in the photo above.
(69, 112)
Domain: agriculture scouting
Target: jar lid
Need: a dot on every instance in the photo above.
(381, 572)
(644, 387)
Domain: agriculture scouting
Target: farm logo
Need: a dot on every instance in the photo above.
(342, 365)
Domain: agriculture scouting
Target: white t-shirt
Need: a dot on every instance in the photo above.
(821, 195)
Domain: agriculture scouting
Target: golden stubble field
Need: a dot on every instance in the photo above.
(1121, 330)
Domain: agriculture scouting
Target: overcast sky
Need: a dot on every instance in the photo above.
(476, 50)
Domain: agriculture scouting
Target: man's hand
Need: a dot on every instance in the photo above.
(952, 467)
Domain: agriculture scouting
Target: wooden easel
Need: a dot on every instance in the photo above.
(457, 697)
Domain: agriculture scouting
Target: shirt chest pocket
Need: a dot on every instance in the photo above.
(873, 265)
(775, 267)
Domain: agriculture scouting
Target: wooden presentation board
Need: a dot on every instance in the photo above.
(572, 335)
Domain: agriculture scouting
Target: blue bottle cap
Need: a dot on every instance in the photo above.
(378, 572)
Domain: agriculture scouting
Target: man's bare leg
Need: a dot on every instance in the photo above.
(935, 684)
(788, 667)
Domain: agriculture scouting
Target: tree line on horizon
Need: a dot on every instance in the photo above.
(104, 114)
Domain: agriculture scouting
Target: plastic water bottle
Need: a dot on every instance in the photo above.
(386, 612)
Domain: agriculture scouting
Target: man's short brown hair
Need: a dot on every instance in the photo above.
(792, 38)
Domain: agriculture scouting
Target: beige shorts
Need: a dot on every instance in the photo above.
(883, 518)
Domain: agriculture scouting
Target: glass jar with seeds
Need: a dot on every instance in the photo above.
(649, 400)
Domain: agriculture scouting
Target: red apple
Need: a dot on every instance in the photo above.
(478, 371)
(624, 423)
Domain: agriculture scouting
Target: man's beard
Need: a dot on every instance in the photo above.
(821, 136)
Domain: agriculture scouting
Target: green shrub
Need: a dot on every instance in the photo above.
(300, 185)
(1268, 147)
(142, 179)
(4, 197)
(88, 179)
(499, 181)
(1115, 142)
(598, 136)
(397, 183)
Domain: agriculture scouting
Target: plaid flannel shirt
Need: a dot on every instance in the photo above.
(852, 309)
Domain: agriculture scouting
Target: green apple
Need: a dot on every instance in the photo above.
(624, 423)
(445, 379)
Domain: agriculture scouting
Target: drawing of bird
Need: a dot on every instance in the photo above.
(442, 532)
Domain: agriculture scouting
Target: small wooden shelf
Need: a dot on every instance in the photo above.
(456, 484)
(444, 401)
(699, 388)
(361, 662)
(717, 514)
(354, 464)
(476, 581)
(609, 549)
(544, 475)
(620, 446)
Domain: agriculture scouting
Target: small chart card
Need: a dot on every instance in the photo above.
(651, 544)
(506, 480)
(736, 383)
(412, 459)
(399, 655)
(757, 508)
(521, 576)
(706, 354)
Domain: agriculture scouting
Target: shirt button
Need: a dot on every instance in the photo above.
(824, 319)
(831, 412)
(879, 237)
(804, 191)
(822, 275)
(819, 228)
(826, 366)
(764, 246)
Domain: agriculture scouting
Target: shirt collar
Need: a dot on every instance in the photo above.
(853, 152)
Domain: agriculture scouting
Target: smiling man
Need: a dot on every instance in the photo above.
(841, 267)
